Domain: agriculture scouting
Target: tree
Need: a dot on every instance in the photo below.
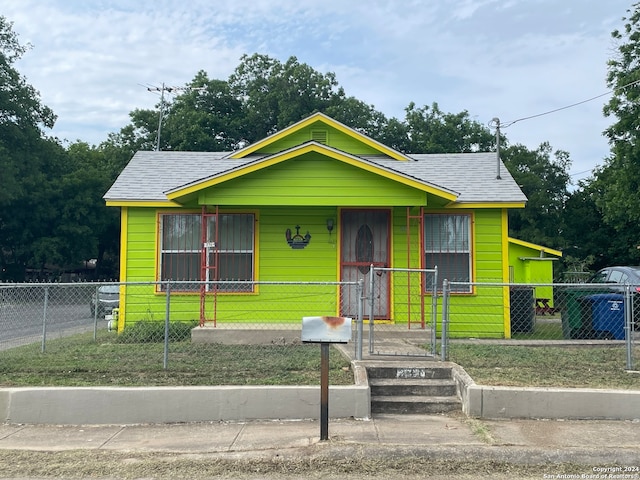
(26, 160)
(206, 117)
(543, 177)
(620, 178)
(430, 130)
(586, 234)
(275, 95)
(88, 227)
(21, 113)
(359, 116)
(19, 102)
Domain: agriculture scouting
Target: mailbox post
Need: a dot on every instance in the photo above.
(325, 331)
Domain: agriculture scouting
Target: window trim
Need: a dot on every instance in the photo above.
(159, 251)
(470, 251)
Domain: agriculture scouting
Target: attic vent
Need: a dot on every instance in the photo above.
(319, 136)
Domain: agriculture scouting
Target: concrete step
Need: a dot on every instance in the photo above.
(412, 372)
(422, 387)
(414, 404)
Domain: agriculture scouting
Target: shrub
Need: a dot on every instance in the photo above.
(153, 332)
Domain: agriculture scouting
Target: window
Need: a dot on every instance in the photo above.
(225, 256)
(615, 276)
(447, 245)
(600, 277)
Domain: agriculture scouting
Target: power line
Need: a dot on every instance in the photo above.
(508, 124)
(580, 173)
(495, 122)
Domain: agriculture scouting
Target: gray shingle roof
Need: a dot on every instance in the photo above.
(472, 175)
(149, 174)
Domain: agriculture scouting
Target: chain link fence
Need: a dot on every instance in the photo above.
(401, 311)
(544, 314)
(165, 333)
(249, 332)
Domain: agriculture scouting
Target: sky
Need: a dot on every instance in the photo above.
(93, 60)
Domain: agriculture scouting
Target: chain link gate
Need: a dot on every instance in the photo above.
(411, 329)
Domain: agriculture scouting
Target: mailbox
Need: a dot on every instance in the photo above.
(326, 329)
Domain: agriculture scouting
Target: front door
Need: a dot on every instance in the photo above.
(364, 242)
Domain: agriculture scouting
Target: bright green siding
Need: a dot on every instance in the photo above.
(482, 314)
(526, 268)
(277, 262)
(312, 180)
(335, 139)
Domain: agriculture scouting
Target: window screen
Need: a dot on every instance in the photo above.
(447, 245)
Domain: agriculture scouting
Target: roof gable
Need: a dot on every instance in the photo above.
(184, 191)
(320, 129)
(463, 180)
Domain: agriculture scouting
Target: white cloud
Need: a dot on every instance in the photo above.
(92, 60)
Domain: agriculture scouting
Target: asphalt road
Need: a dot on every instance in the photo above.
(25, 323)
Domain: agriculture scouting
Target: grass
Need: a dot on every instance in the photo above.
(547, 329)
(115, 360)
(546, 366)
(79, 361)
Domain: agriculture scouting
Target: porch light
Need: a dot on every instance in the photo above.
(297, 241)
(330, 225)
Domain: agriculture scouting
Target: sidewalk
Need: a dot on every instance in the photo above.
(438, 436)
(450, 436)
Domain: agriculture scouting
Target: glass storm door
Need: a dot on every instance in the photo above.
(364, 242)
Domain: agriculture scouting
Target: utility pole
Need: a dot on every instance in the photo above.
(161, 89)
(496, 122)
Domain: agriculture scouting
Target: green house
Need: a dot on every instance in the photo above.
(317, 202)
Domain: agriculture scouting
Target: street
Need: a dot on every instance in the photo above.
(24, 323)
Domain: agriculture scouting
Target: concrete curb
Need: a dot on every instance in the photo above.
(551, 403)
(135, 405)
(490, 402)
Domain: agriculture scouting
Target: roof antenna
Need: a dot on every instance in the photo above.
(496, 122)
(162, 89)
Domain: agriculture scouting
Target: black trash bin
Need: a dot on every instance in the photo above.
(523, 309)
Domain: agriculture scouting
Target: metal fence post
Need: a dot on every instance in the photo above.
(434, 312)
(44, 319)
(95, 315)
(359, 318)
(166, 327)
(628, 325)
(371, 303)
(444, 352)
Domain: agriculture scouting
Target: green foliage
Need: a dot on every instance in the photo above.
(154, 332)
(19, 102)
(429, 130)
(544, 179)
(51, 208)
(619, 179)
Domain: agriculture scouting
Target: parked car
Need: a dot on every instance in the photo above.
(107, 298)
(617, 278)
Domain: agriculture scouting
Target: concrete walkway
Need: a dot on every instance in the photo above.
(438, 436)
